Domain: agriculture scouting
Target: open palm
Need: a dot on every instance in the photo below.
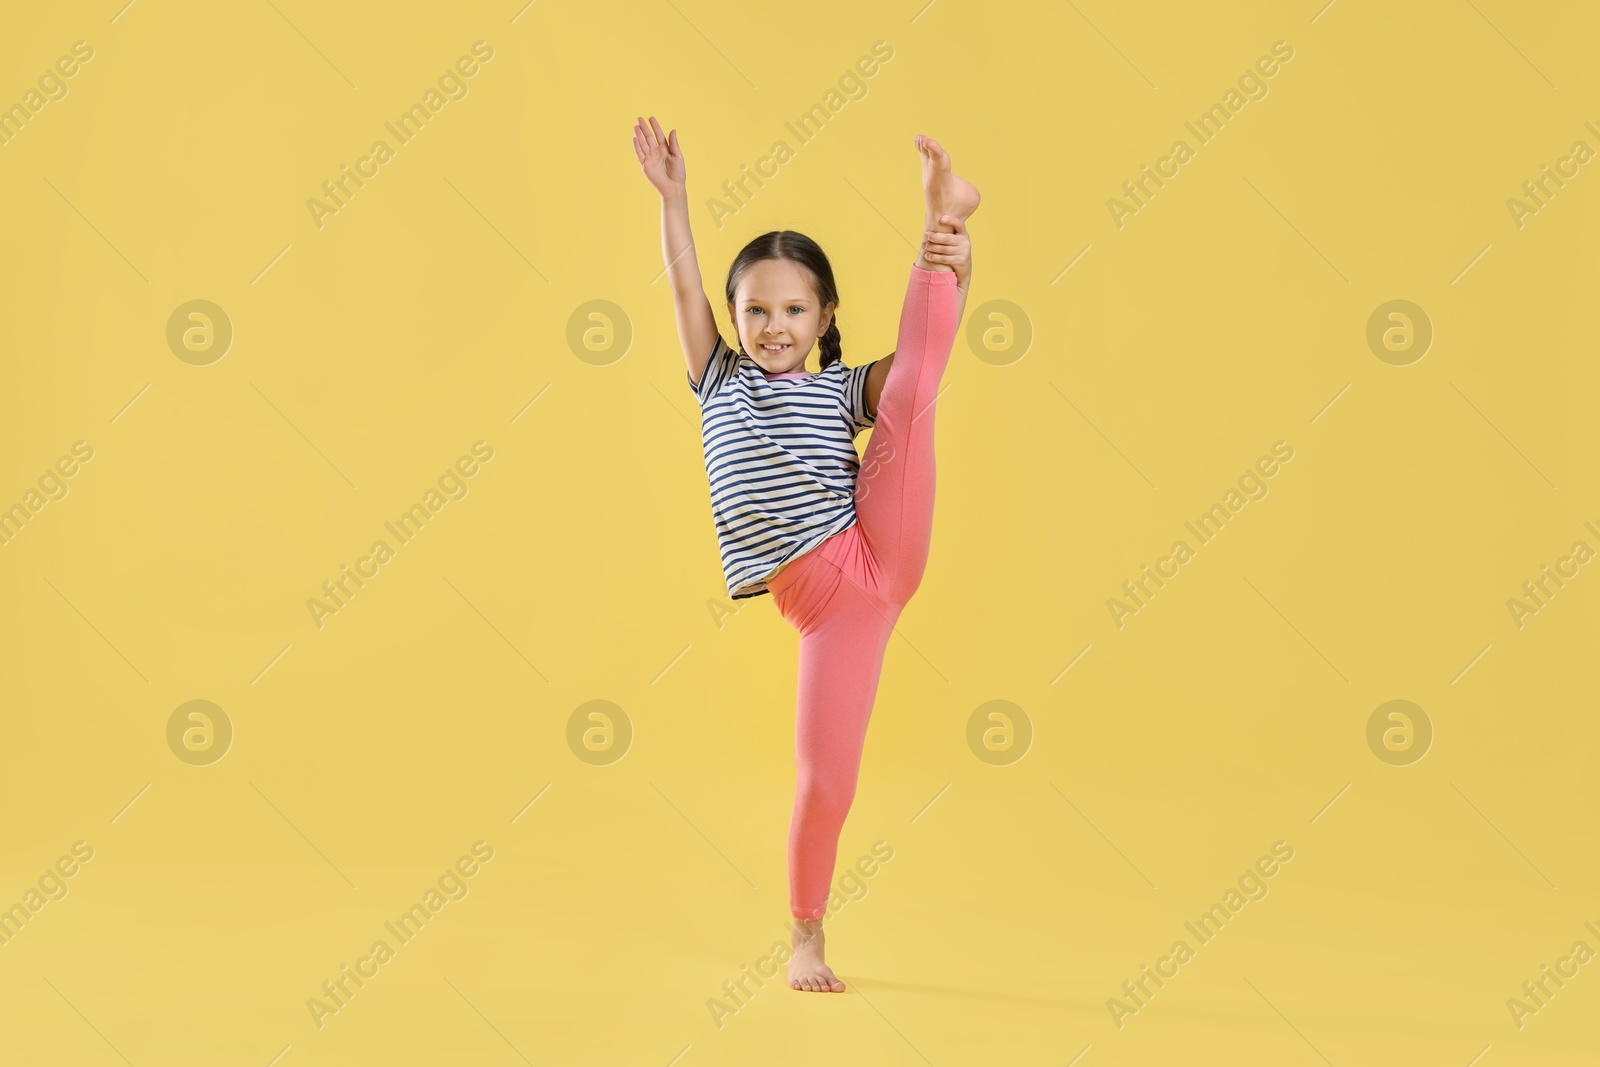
(659, 155)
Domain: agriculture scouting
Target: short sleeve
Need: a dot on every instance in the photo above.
(855, 398)
(719, 368)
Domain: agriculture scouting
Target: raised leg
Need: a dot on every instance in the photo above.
(895, 488)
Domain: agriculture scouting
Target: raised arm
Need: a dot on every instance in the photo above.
(662, 163)
(947, 249)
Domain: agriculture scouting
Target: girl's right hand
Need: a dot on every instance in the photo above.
(953, 250)
(659, 156)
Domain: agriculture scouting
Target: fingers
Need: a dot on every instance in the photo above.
(947, 253)
(644, 144)
(951, 220)
(650, 137)
(954, 249)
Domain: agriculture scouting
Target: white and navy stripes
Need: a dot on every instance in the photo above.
(780, 458)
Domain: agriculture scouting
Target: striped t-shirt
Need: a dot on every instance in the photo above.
(780, 458)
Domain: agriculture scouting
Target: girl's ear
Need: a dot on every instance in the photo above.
(826, 320)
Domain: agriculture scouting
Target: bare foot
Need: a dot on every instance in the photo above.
(807, 972)
(945, 193)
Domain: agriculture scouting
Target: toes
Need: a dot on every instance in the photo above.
(817, 983)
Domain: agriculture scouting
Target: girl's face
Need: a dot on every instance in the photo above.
(778, 314)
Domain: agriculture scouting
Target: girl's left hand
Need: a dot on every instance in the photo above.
(954, 250)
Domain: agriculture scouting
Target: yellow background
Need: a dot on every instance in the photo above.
(433, 309)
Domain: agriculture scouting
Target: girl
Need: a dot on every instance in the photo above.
(840, 543)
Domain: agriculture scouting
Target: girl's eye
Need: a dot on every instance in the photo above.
(796, 309)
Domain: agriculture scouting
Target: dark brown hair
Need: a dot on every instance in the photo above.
(788, 244)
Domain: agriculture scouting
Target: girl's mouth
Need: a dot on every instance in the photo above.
(775, 349)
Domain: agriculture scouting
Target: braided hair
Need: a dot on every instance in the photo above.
(791, 245)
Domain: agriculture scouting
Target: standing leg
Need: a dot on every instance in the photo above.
(844, 632)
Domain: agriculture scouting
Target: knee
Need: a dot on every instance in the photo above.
(824, 797)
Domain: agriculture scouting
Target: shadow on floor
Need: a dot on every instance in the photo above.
(874, 984)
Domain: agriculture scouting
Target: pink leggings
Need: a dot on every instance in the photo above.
(845, 595)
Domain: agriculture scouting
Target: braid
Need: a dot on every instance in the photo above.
(828, 344)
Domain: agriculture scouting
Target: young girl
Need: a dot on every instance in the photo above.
(840, 543)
